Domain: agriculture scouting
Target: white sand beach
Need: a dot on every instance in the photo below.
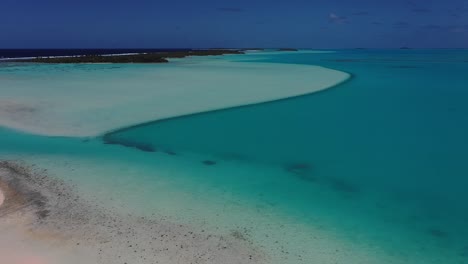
(46, 221)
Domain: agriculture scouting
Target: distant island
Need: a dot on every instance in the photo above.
(154, 57)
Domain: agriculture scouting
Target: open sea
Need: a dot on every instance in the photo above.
(373, 170)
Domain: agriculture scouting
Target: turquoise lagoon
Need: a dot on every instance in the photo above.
(373, 170)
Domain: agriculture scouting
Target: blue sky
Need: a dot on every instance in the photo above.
(241, 23)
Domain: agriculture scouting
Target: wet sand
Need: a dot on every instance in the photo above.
(50, 223)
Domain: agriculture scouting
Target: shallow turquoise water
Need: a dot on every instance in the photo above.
(380, 160)
(402, 116)
(395, 134)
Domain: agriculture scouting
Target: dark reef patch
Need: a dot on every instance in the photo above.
(241, 234)
(302, 170)
(298, 168)
(129, 144)
(209, 162)
(145, 147)
(170, 152)
(436, 232)
(343, 186)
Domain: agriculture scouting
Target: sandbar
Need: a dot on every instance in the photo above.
(90, 100)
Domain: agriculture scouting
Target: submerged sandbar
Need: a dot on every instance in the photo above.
(90, 99)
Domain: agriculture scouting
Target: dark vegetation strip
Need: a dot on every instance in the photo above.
(155, 57)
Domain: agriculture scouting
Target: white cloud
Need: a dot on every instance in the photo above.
(334, 18)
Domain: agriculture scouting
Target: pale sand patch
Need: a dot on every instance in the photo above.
(17, 247)
(65, 100)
